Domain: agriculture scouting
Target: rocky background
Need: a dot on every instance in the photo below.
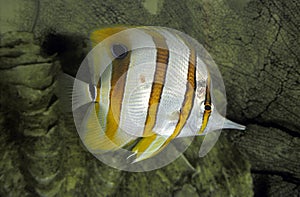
(255, 43)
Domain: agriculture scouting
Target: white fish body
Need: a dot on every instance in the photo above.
(149, 89)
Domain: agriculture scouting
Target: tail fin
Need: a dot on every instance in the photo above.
(64, 91)
(72, 92)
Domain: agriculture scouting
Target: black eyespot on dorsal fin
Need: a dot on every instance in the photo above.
(119, 51)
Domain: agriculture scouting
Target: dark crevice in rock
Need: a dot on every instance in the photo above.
(70, 50)
(14, 43)
(51, 126)
(54, 43)
(33, 88)
(28, 63)
(52, 101)
(260, 189)
(288, 177)
(275, 125)
(12, 54)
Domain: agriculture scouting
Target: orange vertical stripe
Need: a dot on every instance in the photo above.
(118, 81)
(162, 60)
(188, 99)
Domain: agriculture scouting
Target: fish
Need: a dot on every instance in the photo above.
(141, 90)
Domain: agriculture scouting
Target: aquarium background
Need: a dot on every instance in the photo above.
(255, 43)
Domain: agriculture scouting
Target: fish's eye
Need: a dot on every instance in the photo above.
(207, 107)
(119, 51)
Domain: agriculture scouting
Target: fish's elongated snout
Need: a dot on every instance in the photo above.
(217, 122)
(228, 124)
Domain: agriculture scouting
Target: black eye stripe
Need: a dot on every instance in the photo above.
(92, 91)
(119, 51)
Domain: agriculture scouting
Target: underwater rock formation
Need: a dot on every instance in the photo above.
(29, 107)
(256, 46)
